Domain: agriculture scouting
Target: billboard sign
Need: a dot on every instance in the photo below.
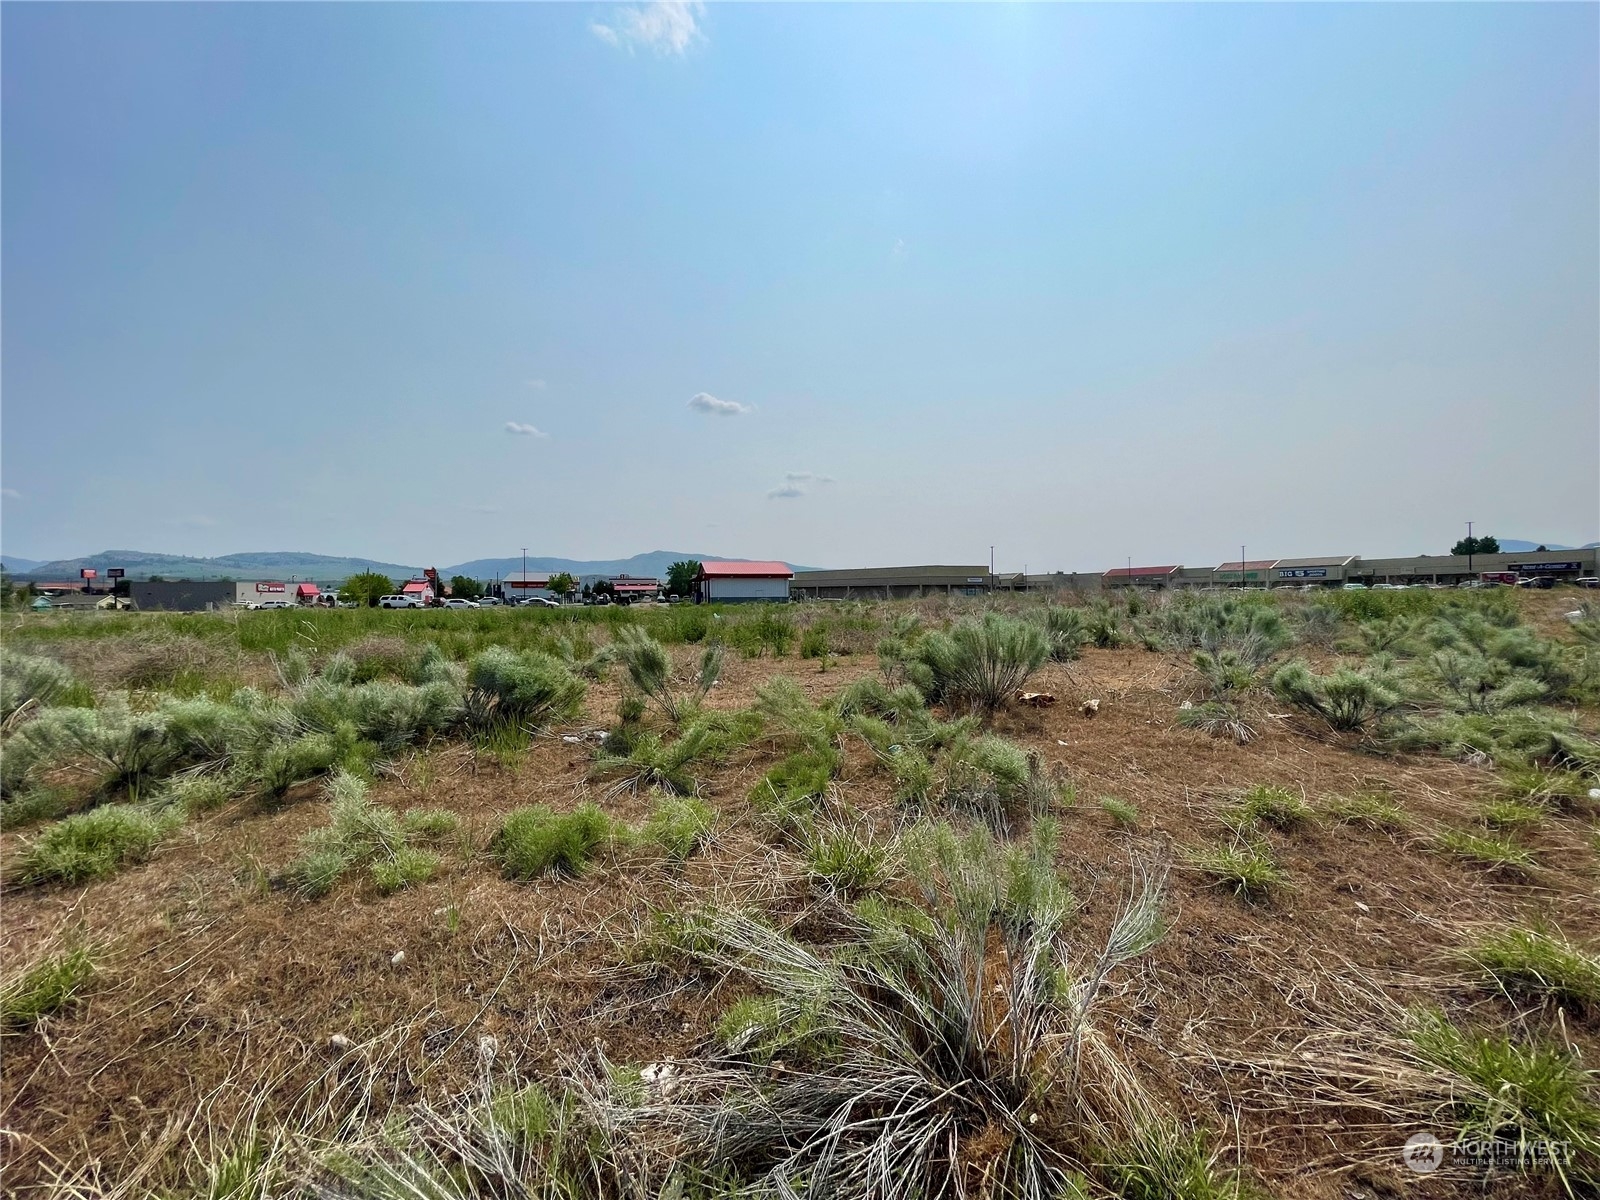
(88, 572)
(115, 572)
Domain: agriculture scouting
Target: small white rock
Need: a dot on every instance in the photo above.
(341, 1043)
(1594, 793)
(398, 957)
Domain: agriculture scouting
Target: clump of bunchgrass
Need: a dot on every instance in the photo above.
(1264, 804)
(1491, 850)
(848, 862)
(93, 844)
(1511, 814)
(649, 668)
(1218, 719)
(529, 689)
(1123, 815)
(787, 796)
(679, 825)
(1538, 964)
(1346, 699)
(1165, 1160)
(28, 680)
(44, 986)
(980, 663)
(645, 759)
(1376, 811)
(1245, 868)
(536, 840)
(364, 834)
(1535, 1098)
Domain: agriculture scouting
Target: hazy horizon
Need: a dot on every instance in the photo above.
(849, 286)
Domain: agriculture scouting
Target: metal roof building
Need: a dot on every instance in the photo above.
(889, 583)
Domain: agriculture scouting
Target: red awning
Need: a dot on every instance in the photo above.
(307, 589)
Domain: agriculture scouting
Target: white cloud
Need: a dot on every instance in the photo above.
(195, 521)
(796, 484)
(707, 403)
(10, 493)
(665, 26)
(536, 384)
(898, 250)
(518, 428)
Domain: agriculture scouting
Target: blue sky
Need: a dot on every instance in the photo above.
(429, 283)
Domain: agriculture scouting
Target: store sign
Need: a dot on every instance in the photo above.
(1302, 572)
(114, 573)
(979, 579)
(271, 587)
(1535, 568)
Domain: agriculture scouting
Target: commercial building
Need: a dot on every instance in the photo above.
(1293, 572)
(182, 595)
(1456, 568)
(741, 581)
(634, 587)
(1154, 578)
(890, 583)
(1254, 572)
(523, 585)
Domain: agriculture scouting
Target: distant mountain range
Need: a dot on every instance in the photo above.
(652, 565)
(279, 564)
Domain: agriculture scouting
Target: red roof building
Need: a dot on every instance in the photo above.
(740, 581)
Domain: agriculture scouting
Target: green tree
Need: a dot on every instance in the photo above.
(366, 587)
(467, 589)
(562, 584)
(681, 577)
(603, 587)
(1476, 545)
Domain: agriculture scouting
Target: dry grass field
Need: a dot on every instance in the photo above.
(511, 903)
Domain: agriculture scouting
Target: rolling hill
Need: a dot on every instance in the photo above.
(280, 564)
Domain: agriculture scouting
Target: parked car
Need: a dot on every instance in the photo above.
(1588, 581)
(1388, 587)
(543, 602)
(1355, 587)
(398, 602)
(460, 602)
(489, 602)
(274, 604)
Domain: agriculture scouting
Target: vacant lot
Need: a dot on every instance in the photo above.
(612, 903)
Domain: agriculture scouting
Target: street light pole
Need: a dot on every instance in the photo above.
(1470, 547)
(1241, 566)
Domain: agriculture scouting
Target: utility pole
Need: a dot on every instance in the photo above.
(1470, 547)
(1241, 566)
(991, 570)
